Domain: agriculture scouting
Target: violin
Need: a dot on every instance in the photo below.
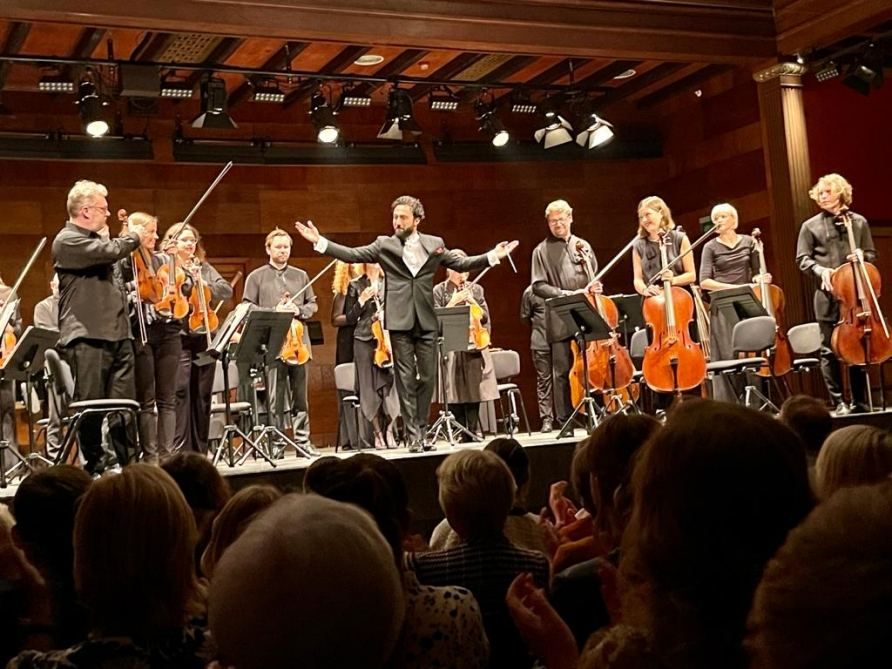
(383, 349)
(202, 319)
(173, 303)
(861, 337)
(610, 366)
(673, 362)
(7, 343)
(478, 335)
(294, 350)
(772, 299)
(148, 287)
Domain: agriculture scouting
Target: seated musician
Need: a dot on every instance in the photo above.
(378, 400)
(470, 375)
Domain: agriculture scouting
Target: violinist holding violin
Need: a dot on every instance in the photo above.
(470, 375)
(7, 386)
(823, 247)
(188, 265)
(378, 400)
(157, 343)
(556, 271)
(278, 285)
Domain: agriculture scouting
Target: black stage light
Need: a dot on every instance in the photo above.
(213, 104)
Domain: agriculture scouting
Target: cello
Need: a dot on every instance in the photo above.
(772, 299)
(673, 362)
(861, 337)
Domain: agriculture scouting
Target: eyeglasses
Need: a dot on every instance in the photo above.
(102, 209)
(562, 219)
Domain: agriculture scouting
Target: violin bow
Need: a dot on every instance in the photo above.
(702, 238)
(201, 200)
(313, 280)
(9, 306)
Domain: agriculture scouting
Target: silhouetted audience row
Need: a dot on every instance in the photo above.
(722, 538)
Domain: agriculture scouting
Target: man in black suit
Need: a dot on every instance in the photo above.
(409, 260)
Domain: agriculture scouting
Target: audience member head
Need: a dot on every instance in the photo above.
(204, 489)
(374, 484)
(318, 471)
(513, 455)
(808, 417)
(851, 456)
(239, 511)
(306, 572)
(476, 493)
(609, 459)
(825, 599)
(715, 492)
(44, 507)
(134, 541)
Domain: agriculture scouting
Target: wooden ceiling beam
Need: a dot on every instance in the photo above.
(87, 42)
(607, 73)
(684, 84)
(639, 83)
(502, 72)
(395, 67)
(680, 30)
(278, 61)
(15, 38)
(219, 54)
(342, 61)
(450, 70)
(807, 25)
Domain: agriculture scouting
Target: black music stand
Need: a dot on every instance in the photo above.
(23, 362)
(452, 335)
(631, 316)
(744, 300)
(578, 315)
(259, 347)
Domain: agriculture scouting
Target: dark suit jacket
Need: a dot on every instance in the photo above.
(408, 299)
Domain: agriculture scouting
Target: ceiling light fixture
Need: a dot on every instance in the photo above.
(175, 88)
(444, 101)
(400, 123)
(323, 117)
(267, 90)
(91, 109)
(557, 130)
(491, 124)
(596, 132)
(214, 104)
(55, 83)
(521, 103)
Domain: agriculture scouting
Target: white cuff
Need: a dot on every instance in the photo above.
(320, 245)
(493, 258)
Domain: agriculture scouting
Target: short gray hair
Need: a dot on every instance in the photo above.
(476, 490)
(560, 206)
(724, 207)
(82, 194)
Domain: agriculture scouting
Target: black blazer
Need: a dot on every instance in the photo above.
(408, 299)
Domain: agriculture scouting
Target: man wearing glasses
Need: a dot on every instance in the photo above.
(556, 271)
(94, 330)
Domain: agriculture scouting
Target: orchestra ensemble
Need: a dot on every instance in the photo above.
(136, 311)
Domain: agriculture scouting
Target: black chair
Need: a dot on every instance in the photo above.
(345, 381)
(507, 366)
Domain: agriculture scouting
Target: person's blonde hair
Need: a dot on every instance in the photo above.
(82, 194)
(852, 456)
(724, 207)
(838, 186)
(179, 228)
(657, 204)
(476, 492)
(344, 273)
(141, 219)
(134, 554)
(559, 206)
(278, 232)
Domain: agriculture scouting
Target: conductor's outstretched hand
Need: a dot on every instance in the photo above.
(503, 248)
(307, 230)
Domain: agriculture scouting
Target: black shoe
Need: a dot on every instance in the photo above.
(842, 409)
(428, 446)
(546, 426)
(415, 447)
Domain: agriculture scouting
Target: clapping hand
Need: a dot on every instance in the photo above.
(545, 634)
(308, 231)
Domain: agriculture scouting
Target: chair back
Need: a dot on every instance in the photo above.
(805, 338)
(506, 364)
(218, 376)
(638, 343)
(754, 334)
(60, 373)
(345, 377)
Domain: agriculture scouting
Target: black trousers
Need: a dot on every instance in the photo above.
(830, 370)
(544, 384)
(157, 363)
(193, 396)
(102, 370)
(415, 367)
(288, 391)
(561, 363)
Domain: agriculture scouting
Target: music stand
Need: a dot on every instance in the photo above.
(20, 365)
(578, 315)
(261, 341)
(743, 299)
(452, 335)
(631, 316)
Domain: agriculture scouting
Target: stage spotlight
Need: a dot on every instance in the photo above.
(866, 73)
(323, 117)
(596, 132)
(267, 90)
(91, 111)
(522, 104)
(213, 104)
(444, 101)
(175, 88)
(399, 123)
(55, 83)
(490, 124)
(828, 70)
(349, 98)
(557, 130)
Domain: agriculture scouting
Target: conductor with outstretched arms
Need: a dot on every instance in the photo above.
(409, 260)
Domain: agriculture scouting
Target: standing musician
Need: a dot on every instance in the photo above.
(470, 375)
(95, 335)
(195, 383)
(274, 286)
(46, 312)
(7, 386)
(409, 260)
(46, 315)
(555, 272)
(378, 400)
(157, 359)
(344, 273)
(654, 217)
(532, 312)
(730, 260)
(823, 247)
